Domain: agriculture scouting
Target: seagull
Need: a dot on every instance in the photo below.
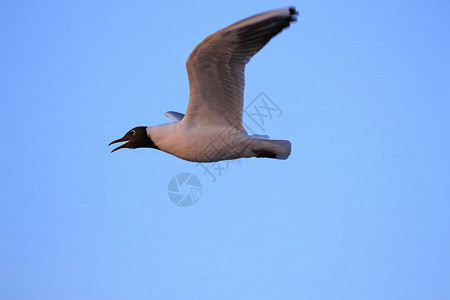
(212, 130)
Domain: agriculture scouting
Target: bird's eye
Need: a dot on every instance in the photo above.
(132, 132)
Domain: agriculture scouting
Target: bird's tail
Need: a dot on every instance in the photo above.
(278, 149)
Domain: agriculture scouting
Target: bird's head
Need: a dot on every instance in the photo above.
(135, 138)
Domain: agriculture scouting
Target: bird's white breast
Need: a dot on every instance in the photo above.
(200, 144)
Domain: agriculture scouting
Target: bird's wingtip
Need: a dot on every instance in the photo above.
(293, 11)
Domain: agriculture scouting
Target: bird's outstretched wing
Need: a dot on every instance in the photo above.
(216, 67)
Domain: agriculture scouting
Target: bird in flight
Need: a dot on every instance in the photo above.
(212, 130)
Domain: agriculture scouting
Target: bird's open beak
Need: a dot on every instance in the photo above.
(121, 146)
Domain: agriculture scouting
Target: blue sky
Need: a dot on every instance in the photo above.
(359, 211)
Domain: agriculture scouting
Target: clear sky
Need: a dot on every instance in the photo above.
(361, 209)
